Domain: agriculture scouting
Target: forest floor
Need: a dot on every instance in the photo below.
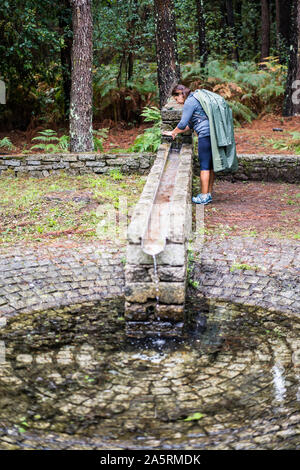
(69, 208)
(257, 137)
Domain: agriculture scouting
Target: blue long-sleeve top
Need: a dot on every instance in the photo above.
(194, 116)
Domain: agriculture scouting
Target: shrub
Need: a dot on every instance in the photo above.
(150, 140)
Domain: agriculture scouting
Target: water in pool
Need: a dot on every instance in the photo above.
(71, 379)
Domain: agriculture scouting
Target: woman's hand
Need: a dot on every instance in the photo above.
(174, 133)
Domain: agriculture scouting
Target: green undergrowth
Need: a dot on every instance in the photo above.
(83, 206)
(291, 142)
(49, 142)
(243, 267)
(6, 143)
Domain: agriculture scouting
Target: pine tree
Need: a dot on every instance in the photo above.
(203, 52)
(65, 26)
(168, 70)
(292, 94)
(265, 29)
(81, 126)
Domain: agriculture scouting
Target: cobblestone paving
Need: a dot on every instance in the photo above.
(56, 276)
(272, 283)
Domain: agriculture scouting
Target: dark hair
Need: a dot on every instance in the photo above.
(185, 90)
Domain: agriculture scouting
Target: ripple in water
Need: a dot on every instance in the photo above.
(279, 382)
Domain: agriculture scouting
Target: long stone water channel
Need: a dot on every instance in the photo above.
(158, 370)
(155, 272)
(158, 237)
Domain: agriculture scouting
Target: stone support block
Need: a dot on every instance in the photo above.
(49, 158)
(98, 169)
(60, 165)
(134, 273)
(168, 292)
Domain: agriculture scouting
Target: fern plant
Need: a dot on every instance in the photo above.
(6, 143)
(122, 100)
(150, 140)
(47, 139)
(240, 112)
(50, 142)
(99, 136)
(250, 88)
(64, 142)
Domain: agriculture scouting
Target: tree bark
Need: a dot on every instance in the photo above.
(231, 24)
(203, 52)
(277, 2)
(81, 112)
(283, 33)
(65, 25)
(292, 94)
(285, 19)
(265, 29)
(238, 9)
(132, 30)
(168, 69)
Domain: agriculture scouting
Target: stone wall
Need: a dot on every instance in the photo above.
(41, 165)
(262, 168)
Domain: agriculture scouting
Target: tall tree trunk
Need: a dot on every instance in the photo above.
(168, 69)
(283, 33)
(130, 66)
(231, 24)
(238, 9)
(65, 25)
(292, 94)
(132, 29)
(285, 19)
(265, 29)
(81, 112)
(223, 16)
(277, 2)
(203, 52)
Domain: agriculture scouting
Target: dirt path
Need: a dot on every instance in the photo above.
(255, 209)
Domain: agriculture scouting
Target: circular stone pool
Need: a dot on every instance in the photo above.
(70, 379)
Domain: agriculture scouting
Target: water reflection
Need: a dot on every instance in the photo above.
(74, 376)
(279, 382)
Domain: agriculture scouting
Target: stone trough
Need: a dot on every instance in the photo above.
(156, 265)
